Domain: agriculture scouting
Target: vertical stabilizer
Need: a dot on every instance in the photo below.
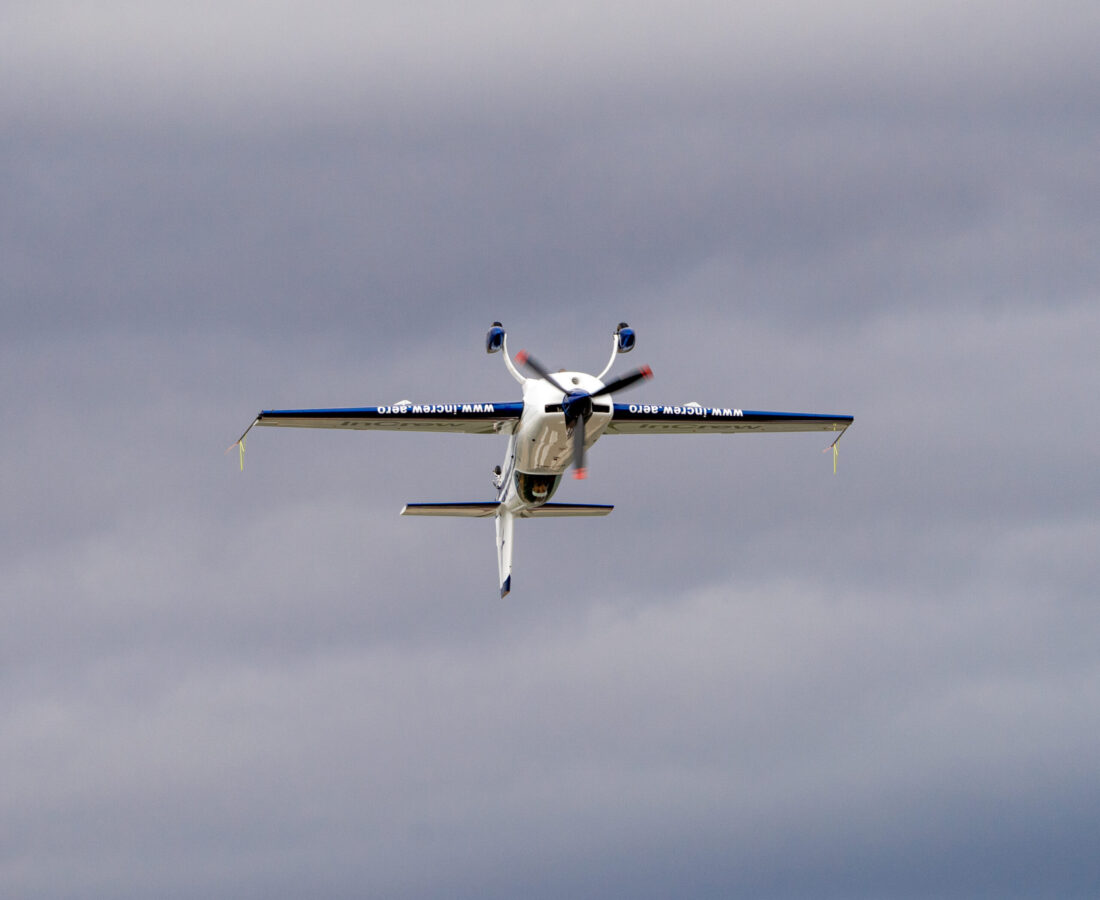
(505, 524)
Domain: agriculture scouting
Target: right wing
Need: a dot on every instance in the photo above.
(634, 418)
(456, 418)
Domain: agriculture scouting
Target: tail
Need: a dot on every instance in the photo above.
(505, 522)
(478, 510)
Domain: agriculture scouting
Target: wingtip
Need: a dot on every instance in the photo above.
(506, 587)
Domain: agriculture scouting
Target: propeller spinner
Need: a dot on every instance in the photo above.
(577, 404)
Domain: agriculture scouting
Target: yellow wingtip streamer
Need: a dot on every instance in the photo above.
(240, 442)
(833, 447)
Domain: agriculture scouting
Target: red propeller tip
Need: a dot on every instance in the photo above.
(647, 371)
(521, 357)
(580, 473)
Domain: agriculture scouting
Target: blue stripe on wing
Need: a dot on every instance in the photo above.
(411, 410)
(637, 418)
(477, 418)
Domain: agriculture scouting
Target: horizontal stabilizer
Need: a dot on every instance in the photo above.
(550, 510)
(471, 510)
(483, 509)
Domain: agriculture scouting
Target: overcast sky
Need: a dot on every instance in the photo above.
(754, 679)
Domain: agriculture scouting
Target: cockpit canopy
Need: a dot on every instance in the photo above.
(536, 488)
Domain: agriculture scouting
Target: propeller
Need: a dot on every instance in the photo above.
(577, 404)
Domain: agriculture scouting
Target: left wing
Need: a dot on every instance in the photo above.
(459, 418)
(691, 418)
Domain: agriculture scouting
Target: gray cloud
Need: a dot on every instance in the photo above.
(766, 680)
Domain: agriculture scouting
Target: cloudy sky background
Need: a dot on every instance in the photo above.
(754, 679)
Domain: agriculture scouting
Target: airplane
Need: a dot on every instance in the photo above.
(558, 420)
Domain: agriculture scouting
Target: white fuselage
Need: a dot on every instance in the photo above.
(541, 445)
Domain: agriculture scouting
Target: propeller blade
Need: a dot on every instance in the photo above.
(526, 359)
(581, 426)
(625, 381)
(577, 404)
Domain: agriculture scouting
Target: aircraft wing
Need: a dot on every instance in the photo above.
(636, 418)
(458, 418)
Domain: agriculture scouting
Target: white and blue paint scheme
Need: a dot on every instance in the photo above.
(561, 416)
